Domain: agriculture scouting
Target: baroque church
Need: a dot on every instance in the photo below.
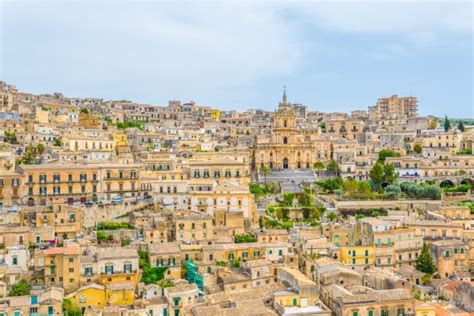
(289, 147)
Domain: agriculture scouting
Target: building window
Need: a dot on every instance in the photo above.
(127, 268)
(109, 269)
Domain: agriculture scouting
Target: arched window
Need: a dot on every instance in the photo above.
(285, 123)
(285, 140)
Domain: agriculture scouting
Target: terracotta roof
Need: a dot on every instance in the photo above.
(70, 250)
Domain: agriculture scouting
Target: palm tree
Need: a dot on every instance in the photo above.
(332, 216)
(318, 165)
(265, 170)
(40, 149)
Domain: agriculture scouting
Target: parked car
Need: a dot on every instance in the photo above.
(117, 200)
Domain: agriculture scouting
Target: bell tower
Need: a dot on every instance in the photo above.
(284, 123)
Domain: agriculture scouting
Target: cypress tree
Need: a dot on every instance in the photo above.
(424, 262)
(447, 124)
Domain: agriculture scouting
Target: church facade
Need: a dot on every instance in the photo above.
(289, 147)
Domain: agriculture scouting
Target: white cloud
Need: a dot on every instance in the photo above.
(393, 17)
(201, 44)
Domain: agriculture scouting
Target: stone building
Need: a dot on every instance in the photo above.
(288, 147)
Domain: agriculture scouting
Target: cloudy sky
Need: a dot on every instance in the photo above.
(332, 56)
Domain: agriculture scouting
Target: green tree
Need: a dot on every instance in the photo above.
(461, 126)
(433, 123)
(69, 309)
(389, 173)
(30, 154)
(58, 142)
(150, 274)
(424, 262)
(84, 111)
(447, 124)
(377, 174)
(20, 288)
(318, 165)
(265, 170)
(383, 154)
(10, 137)
(417, 148)
(333, 166)
(350, 186)
(143, 258)
(363, 187)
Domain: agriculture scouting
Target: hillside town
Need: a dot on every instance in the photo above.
(115, 208)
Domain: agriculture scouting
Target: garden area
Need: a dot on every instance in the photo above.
(260, 191)
(150, 274)
(352, 189)
(291, 208)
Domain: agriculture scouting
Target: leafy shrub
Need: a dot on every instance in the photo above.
(19, 289)
(331, 184)
(421, 191)
(459, 188)
(393, 191)
(130, 124)
(244, 238)
(466, 151)
(287, 225)
(113, 226)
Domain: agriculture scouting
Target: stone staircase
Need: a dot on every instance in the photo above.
(289, 180)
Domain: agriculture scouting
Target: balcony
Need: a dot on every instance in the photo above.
(116, 273)
(121, 178)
